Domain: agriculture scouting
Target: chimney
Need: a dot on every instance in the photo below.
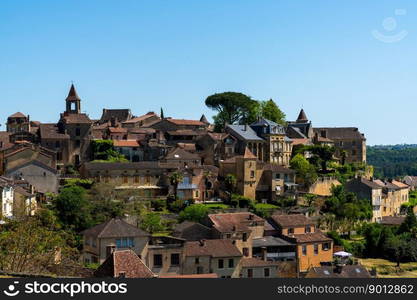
(264, 254)
(245, 127)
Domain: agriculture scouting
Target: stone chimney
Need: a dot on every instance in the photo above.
(264, 254)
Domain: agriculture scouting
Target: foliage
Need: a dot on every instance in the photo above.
(264, 210)
(216, 205)
(194, 213)
(306, 173)
(393, 161)
(241, 201)
(271, 111)
(152, 223)
(175, 179)
(231, 108)
(103, 151)
(159, 204)
(410, 223)
(84, 183)
(73, 209)
(30, 245)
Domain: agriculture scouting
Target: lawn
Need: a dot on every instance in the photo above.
(265, 206)
(388, 269)
(217, 206)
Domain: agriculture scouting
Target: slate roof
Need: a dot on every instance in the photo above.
(335, 133)
(72, 95)
(114, 228)
(276, 128)
(270, 241)
(212, 248)
(348, 271)
(124, 261)
(120, 115)
(229, 222)
(296, 220)
(244, 132)
(192, 231)
(302, 117)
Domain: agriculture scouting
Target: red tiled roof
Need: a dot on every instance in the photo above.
(124, 262)
(213, 248)
(117, 130)
(256, 262)
(76, 118)
(186, 122)
(229, 222)
(312, 237)
(141, 118)
(292, 220)
(17, 115)
(126, 143)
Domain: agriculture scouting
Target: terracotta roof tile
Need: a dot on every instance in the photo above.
(292, 220)
(213, 248)
(229, 222)
(126, 143)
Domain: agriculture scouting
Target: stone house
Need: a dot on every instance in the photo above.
(165, 255)
(313, 248)
(100, 241)
(367, 189)
(258, 268)
(6, 197)
(220, 256)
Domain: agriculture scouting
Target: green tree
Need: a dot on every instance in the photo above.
(194, 213)
(230, 185)
(152, 223)
(175, 179)
(231, 108)
(73, 209)
(396, 248)
(410, 223)
(162, 114)
(306, 172)
(324, 153)
(103, 151)
(271, 111)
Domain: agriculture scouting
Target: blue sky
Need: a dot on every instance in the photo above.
(320, 55)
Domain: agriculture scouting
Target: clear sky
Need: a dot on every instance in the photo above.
(324, 56)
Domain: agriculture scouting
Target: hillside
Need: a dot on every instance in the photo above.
(393, 160)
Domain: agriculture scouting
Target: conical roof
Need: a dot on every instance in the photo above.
(204, 119)
(302, 117)
(72, 95)
(248, 154)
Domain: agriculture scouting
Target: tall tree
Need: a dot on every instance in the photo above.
(162, 114)
(231, 107)
(271, 111)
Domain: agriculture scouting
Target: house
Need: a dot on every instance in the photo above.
(165, 255)
(369, 190)
(142, 121)
(219, 256)
(169, 124)
(6, 197)
(130, 149)
(274, 249)
(123, 264)
(313, 247)
(100, 241)
(345, 271)
(242, 228)
(394, 194)
(411, 181)
(258, 268)
(115, 115)
(392, 220)
(276, 181)
(192, 231)
(247, 138)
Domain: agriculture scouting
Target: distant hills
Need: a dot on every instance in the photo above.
(391, 161)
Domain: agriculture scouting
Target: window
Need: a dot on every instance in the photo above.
(77, 131)
(250, 273)
(197, 194)
(290, 230)
(94, 243)
(304, 250)
(125, 243)
(353, 152)
(77, 143)
(316, 249)
(231, 263)
(326, 246)
(245, 237)
(267, 272)
(197, 260)
(221, 263)
(157, 260)
(308, 229)
(175, 259)
(228, 236)
(136, 179)
(122, 274)
(57, 144)
(252, 174)
(87, 241)
(246, 252)
(200, 270)
(125, 179)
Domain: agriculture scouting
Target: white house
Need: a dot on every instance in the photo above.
(6, 197)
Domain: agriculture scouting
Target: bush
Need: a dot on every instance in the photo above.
(159, 204)
(194, 213)
(241, 201)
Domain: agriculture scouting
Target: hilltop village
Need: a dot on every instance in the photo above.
(150, 196)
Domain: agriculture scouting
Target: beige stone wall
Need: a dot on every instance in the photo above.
(190, 266)
(305, 262)
(167, 267)
(258, 272)
(323, 187)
